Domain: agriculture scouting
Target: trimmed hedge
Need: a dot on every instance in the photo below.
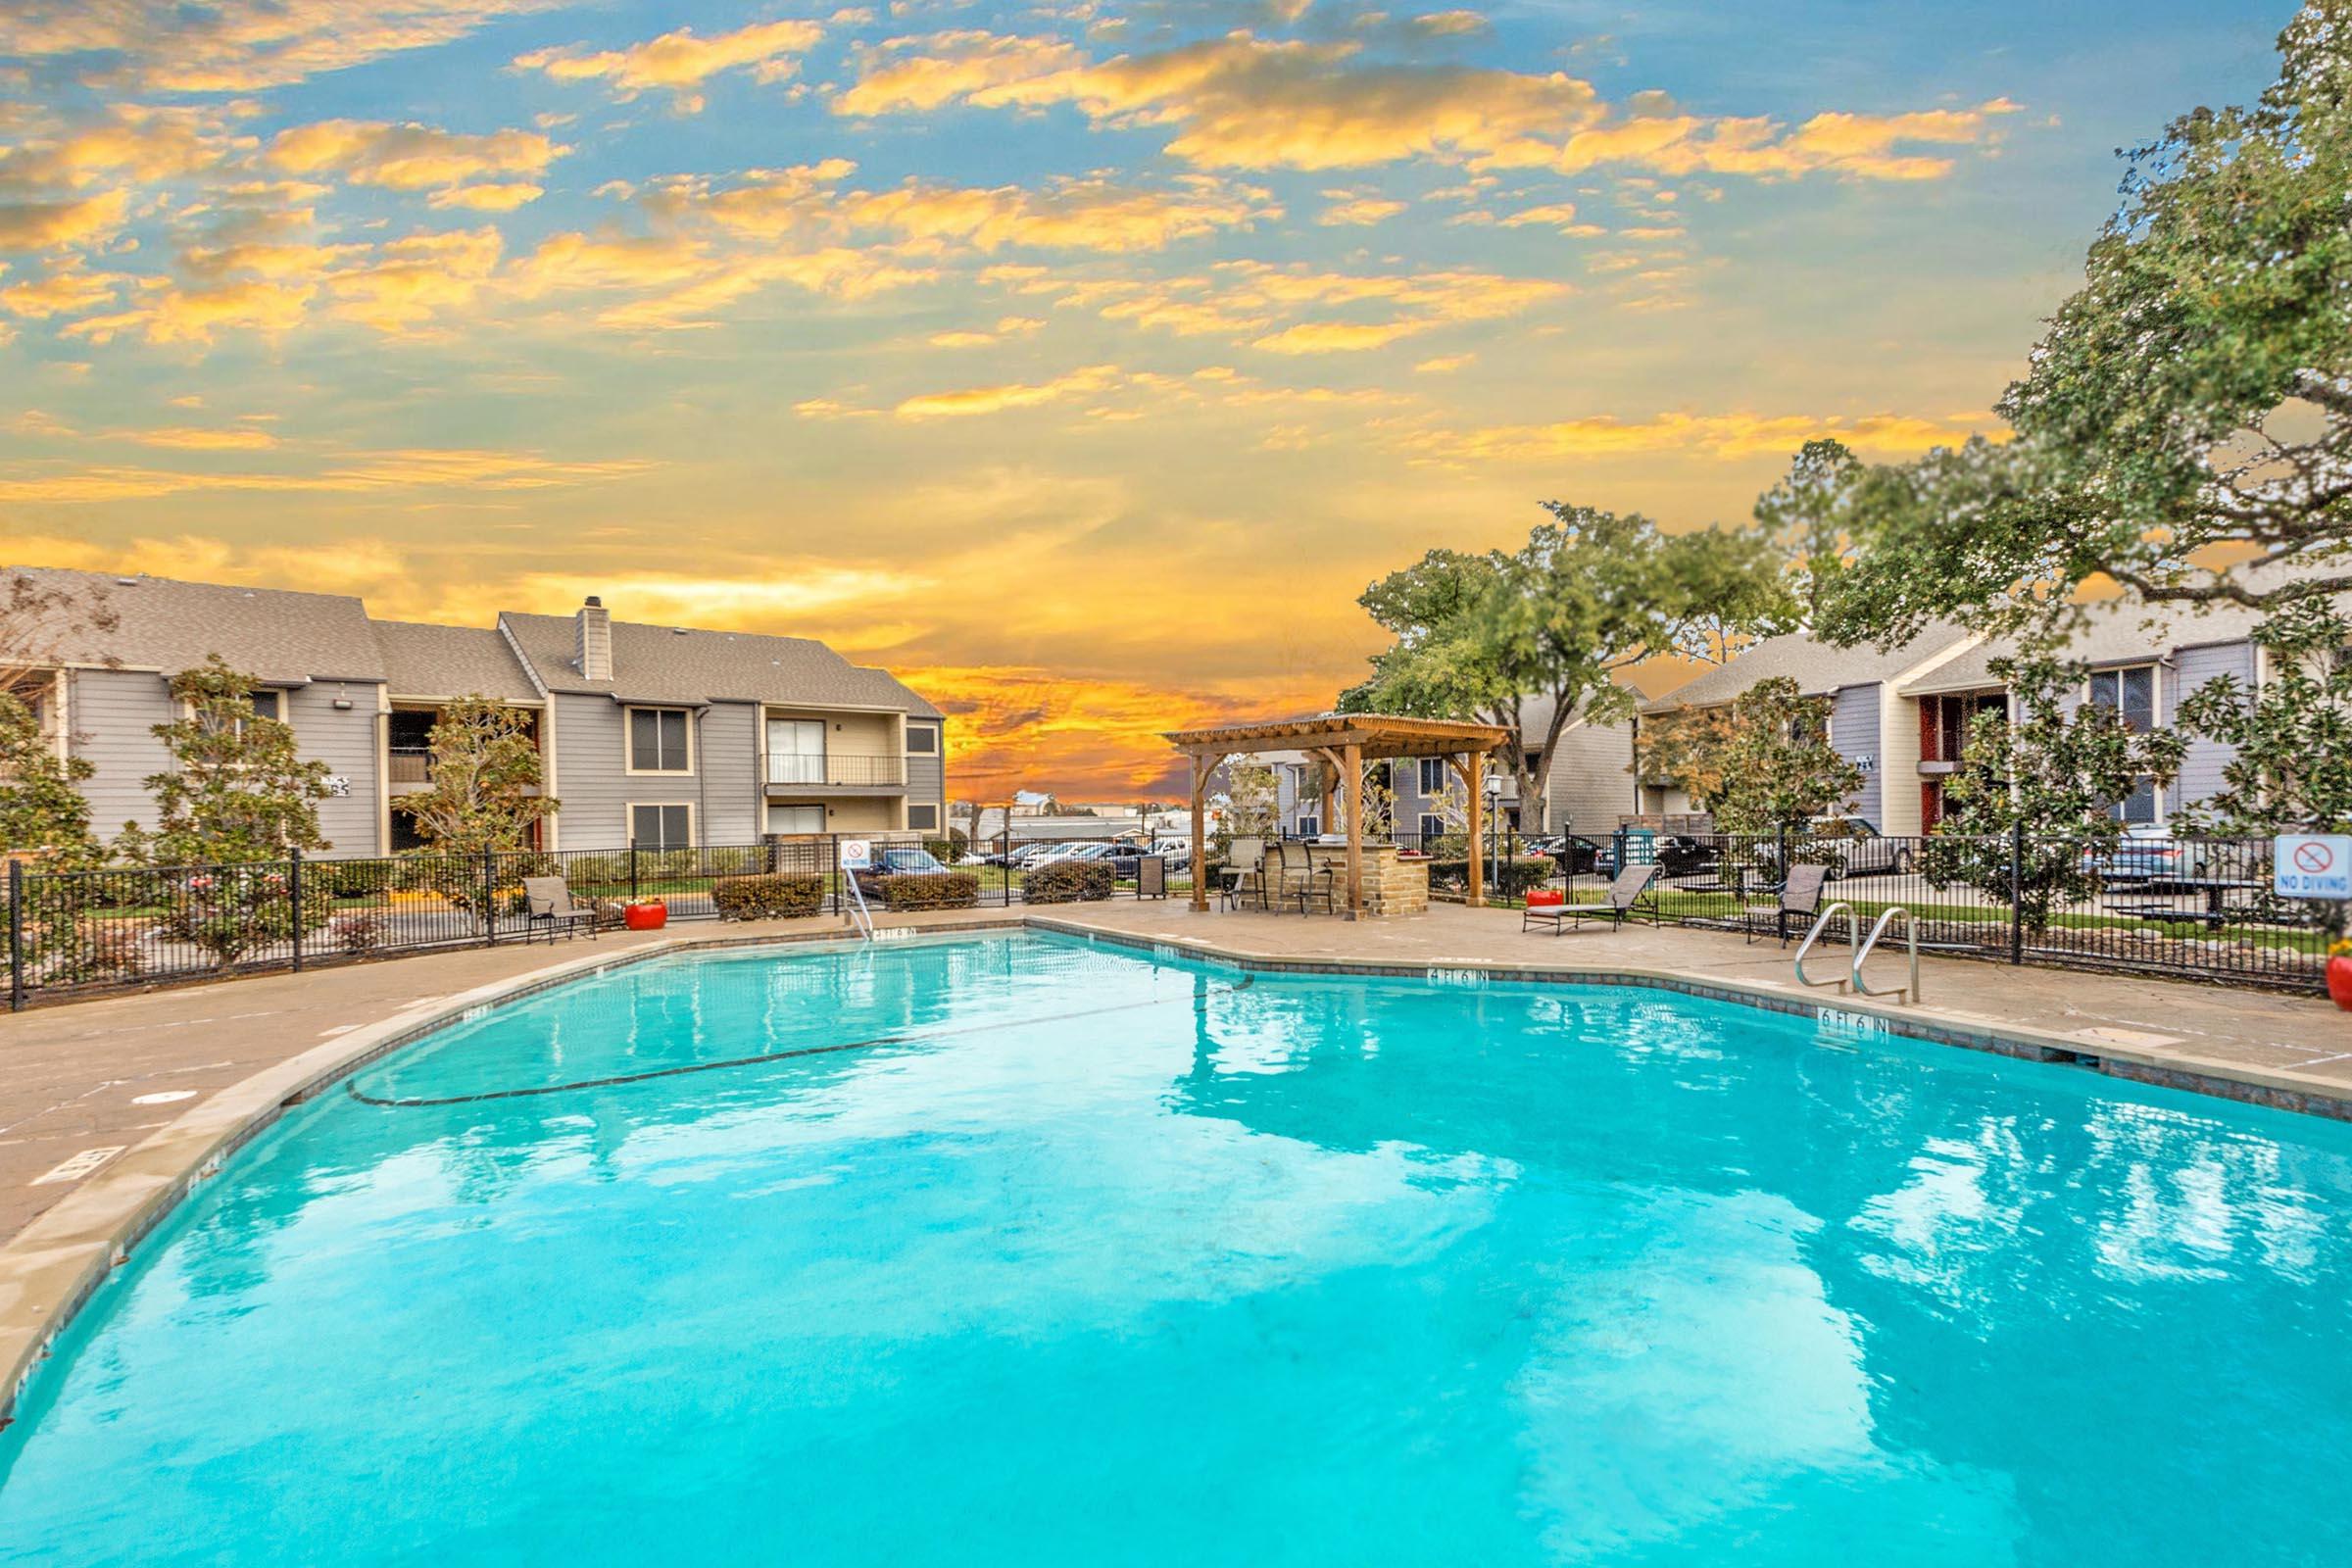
(1067, 882)
(958, 889)
(1510, 880)
(946, 851)
(780, 896)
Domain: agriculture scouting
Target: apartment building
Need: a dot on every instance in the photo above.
(666, 736)
(1589, 788)
(1902, 714)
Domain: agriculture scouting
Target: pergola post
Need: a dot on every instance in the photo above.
(1201, 768)
(1477, 781)
(1352, 761)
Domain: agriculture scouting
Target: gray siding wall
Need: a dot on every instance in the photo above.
(114, 713)
(345, 740)
(590, 781)
(1591, 784)
(1854, 732)
(2201, 769)
(927, 775)
(727, 771)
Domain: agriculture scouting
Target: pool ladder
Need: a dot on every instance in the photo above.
(1852, 978)
(860, 915)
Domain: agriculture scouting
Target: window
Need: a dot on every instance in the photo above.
(795, 819)
(2131, 692)
(795, 751)
(1436, 774)
(658, 741)
(661, 827)
(1432, 827)
(922, 740)
(923, 818)
(1309, 825)
(2137, 806)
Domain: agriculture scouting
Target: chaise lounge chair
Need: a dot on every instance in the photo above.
(1799, 895)
(1630, 896)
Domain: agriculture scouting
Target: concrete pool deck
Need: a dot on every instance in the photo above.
(90, 1158)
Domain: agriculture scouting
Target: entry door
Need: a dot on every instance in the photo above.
(795, 751)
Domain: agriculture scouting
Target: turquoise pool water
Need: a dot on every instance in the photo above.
(1098, 1259)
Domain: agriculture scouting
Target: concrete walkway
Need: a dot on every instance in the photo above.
(79, 1083)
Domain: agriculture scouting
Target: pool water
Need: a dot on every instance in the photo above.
(1075, 1256)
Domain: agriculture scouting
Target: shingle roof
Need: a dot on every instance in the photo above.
(275, 635)
(2115, 631)
(1817, 668)
(427, 661)
(664, 664)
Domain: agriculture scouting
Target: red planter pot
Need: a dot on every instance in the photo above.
(1544, 898)
(2339, 982)
(645, 916)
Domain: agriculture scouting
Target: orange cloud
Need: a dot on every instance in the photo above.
(40, 225)
(414, 157)
(679, 62)
(1243, 102)
(1720, 436)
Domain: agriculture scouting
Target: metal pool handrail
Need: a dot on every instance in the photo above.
(860, 915)
(1820, 922)
(1908, 993)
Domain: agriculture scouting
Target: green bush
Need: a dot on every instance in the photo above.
(944, 850)
(738, 861)
(1067, 882)
(958, 889)
(1510, 880)
(350, 879)
(597, 871)
(780, 896)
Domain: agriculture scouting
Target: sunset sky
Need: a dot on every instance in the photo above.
(1079, 363)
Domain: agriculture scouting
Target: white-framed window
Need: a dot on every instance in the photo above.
(661, 741)
(660, 825)
(1432, 826)
(1309, 825)
(1436, 774)
(922, 740)
(270, 704)
(795, 751)
(795, 819)
(923, 818)
(2131, 692)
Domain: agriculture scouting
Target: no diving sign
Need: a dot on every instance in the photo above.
(2312, 865)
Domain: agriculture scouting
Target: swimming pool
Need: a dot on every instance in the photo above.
(1057, 1252)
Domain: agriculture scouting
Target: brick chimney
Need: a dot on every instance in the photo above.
(593, 643)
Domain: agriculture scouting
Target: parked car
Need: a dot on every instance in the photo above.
(1851, 846)
(1178, 852)
(1577, 854)
(900, 863)
(2148, 854)
(1056, 854)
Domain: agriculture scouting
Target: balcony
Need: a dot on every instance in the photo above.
(408, 767)
(836, 771)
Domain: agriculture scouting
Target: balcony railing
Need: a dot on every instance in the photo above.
(409, 764)
(835, 769)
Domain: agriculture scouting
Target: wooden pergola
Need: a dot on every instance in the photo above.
(1345, 741)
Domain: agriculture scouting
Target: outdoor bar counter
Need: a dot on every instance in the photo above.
(1393, 883)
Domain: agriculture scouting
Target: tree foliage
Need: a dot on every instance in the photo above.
(2053, 773)
(2185, 426)
(238, 791)
(41, 805)
(1757, 764)
(2291, 766)
(1588, 595)
(484, 777)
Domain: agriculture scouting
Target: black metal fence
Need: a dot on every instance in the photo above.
(2202, 909)
(2193, 908)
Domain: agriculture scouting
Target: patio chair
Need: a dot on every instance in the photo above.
(1631, 895)
(1244, 874)
(1799, 894)
(547, 902)
(1303, 880)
